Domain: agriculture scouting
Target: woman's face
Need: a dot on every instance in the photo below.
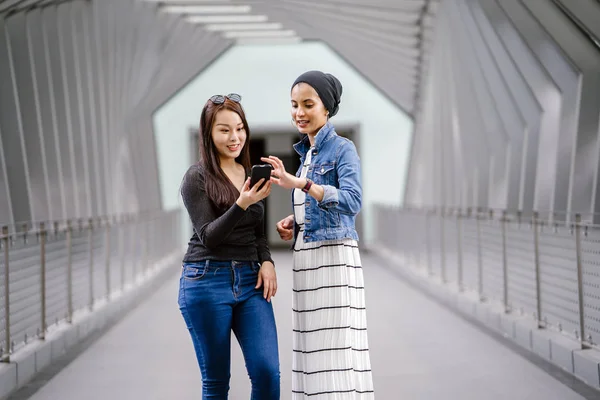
(228, 134)
(308, 112)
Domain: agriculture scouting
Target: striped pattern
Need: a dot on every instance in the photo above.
(331, 350)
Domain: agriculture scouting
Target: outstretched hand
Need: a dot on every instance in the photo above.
(279, 174)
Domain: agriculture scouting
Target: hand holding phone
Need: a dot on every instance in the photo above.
(260, 172)
(251, 192)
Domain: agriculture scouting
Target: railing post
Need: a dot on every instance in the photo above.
(538, 275)
(479, 258)
(459, 250)
(43, 279)
(408, 242)
(428, 244)
(25, 229)
(503, 221)
(69, 240)
(154, 242)
(107, 257)
(91, 254)
(145, 247)
(399, 238)
(6, 243)
(133, 248)
(443, 245)
(580, 279)
(122, 238)
(420, 241)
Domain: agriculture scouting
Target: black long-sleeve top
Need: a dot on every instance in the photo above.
(235, 234)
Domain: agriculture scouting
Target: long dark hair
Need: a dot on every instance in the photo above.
(219, 188)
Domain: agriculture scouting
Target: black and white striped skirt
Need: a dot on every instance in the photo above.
(331, 350)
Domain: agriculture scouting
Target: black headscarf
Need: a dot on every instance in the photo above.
(327, 86)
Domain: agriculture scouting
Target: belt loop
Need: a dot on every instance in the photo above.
(206, 263)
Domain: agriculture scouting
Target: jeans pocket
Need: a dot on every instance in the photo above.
(255, 266)
(193, 272)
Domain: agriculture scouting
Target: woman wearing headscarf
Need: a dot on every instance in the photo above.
(331, 350)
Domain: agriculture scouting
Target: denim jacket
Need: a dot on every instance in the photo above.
(335, 166)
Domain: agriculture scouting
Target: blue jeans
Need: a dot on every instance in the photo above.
(216, 297)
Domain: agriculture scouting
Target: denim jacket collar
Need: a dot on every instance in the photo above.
(325, 133)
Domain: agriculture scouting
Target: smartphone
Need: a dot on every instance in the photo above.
(259, 172)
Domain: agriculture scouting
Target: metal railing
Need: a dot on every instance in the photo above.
(50, 271)
(549, 271)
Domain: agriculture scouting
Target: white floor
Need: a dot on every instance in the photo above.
(419, 351)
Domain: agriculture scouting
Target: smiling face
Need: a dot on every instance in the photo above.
(308, 111)
(228, 135)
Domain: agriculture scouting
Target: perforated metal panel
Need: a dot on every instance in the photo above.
(56, 275)
(558, 270)
(421, 238)
(411, 243)
(435, 243)
(590, 257)
(470, 256)
(491, 254)
(25, 322)
(3, 294)
(81, 268)
(520, 259)
(450, 250)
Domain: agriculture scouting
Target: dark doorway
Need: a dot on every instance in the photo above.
(257, 150)
(292, 161)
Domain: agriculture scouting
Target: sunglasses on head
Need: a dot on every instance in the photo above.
(220, 99)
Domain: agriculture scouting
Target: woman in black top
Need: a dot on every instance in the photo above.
(228, 276)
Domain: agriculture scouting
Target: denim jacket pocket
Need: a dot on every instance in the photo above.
(329, 219)
(324, 174)
(193, 272)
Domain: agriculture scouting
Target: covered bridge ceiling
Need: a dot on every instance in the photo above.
(388, 41)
